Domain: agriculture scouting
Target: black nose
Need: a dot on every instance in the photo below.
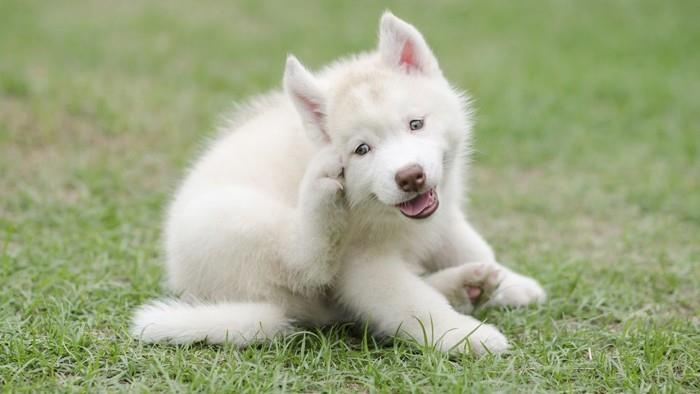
(410, 178)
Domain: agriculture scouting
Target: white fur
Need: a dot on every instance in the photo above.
(280, 222)
(178, 322)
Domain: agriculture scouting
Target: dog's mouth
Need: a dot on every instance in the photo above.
(421, 206)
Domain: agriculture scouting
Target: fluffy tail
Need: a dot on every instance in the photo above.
(178, 322)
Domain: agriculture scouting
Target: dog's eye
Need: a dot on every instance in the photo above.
(416, 124)
(362, 149)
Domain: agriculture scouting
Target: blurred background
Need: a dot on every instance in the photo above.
(586, 173)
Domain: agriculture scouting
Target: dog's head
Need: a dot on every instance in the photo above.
(393, 117)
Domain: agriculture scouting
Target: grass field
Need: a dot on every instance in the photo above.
(586, 176)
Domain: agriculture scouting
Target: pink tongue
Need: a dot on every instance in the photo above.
(418, 204)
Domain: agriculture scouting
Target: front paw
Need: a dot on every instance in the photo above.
(516, 290)
(323, 182)
(478, 340)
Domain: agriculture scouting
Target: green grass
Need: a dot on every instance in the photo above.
(586, 176)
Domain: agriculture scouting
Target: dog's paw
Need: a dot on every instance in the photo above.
(487, 339)
(479, 341)
(476, 283)
(516, 290)
(324, 181)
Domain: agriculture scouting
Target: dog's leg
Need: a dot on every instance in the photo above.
(320, 217)
(462, 244)
(384, 292)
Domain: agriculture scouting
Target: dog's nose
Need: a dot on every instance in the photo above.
(410, 178)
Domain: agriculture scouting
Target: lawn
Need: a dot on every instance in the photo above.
(586, 176)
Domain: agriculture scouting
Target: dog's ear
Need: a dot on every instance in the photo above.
(308, 99)
(401, 45)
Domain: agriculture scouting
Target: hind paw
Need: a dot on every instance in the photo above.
(516, 290)
(475, 285)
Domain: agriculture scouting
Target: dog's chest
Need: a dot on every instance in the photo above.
(414, 241)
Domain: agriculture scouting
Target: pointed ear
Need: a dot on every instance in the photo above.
(308, 99)
(401, 45)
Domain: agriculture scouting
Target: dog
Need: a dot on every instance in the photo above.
(337, 199)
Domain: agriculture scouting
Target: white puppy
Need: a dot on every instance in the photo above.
(339, 199)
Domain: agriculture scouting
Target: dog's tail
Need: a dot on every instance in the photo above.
(174, 321)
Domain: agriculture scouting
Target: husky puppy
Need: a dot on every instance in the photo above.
(338, 199)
